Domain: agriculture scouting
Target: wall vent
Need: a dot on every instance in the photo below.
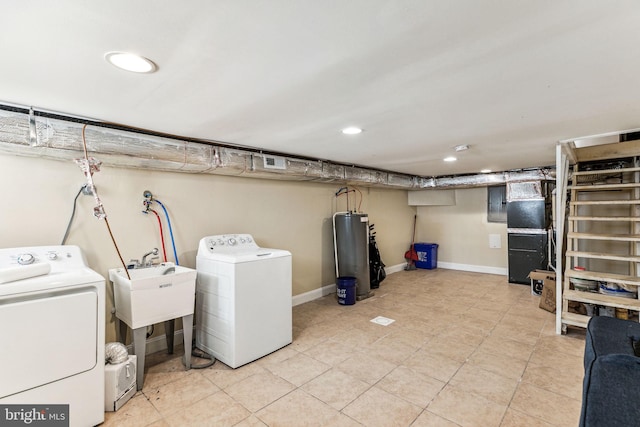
(274, 162)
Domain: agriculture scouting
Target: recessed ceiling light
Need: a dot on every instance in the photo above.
(485, 171)
(131, 62)
(450, 159)
(352, 130)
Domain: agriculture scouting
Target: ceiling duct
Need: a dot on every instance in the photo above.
(483, 180)
(27, 133)
(527, 190)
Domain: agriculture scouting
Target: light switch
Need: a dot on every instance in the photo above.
(495, 241)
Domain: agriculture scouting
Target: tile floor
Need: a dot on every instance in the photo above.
(466, 349)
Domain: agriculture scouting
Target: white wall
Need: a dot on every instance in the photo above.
(37, 198)
(462, 233)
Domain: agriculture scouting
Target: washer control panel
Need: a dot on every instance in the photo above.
(230, 243)
(23, 263)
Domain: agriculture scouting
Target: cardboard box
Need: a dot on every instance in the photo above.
(548, 293)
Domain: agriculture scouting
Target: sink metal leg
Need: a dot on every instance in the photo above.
(139, 348)
(121, 331)
(169, 331)
(187, 331)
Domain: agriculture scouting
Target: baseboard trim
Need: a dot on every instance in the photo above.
(330, 289)
(313, 295)
(474, 268)
(159, 343)
(395, 268)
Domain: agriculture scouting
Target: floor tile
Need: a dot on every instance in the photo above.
(331, 352)
(411, 337)
(555, 380)
(169, 398)
(223, 376)
(336, 388)
(458, 349)
(299, 369)
(138, 411)
(389, 350)
(251, 421)
(542, 356)
(507, 366)
(215, 410)
(434, 365)
(257, 391)
(287, 411)
(411, 386)
(467, 409)
(159, 374)
(507, 346)
(277, 356)
(487, 384)
(428, 419)
(516, 333)
(376, 407)
(366, 368)
(551, 407)
(569, 345)
(304, 339)
(518, 419)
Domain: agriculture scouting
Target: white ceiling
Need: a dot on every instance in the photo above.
(508, 78)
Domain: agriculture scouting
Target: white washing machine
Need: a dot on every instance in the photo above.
(52, 312)
(243, 299)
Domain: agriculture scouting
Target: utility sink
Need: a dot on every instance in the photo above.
(153, 294)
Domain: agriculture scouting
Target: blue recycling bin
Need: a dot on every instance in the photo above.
(427, 255)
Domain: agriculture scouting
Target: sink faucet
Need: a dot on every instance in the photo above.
(144, 262)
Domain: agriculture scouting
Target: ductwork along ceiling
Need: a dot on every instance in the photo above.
(28, 133)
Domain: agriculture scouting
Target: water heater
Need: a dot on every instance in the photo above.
(351, 245)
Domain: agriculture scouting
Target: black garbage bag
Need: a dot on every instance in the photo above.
(376, 266)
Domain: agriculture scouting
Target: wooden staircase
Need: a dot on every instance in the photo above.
(603, 236)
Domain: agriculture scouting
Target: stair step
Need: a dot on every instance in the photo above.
(596, 255)
(600, 299)
(603, 218)
(593, 236)
(605, 202)
(604, 277)
(603, 187)
(575, 319)
(606, 171)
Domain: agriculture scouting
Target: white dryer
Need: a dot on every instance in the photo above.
(243, 299)
(52, 312)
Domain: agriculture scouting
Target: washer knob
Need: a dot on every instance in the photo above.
(52, 256)
(232, 241)
(26, 259)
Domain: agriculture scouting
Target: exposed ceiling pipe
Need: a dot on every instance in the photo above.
(27, 133)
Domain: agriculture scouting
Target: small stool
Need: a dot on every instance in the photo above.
(140, 342)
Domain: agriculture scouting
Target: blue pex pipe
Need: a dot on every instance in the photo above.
(173, 243)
